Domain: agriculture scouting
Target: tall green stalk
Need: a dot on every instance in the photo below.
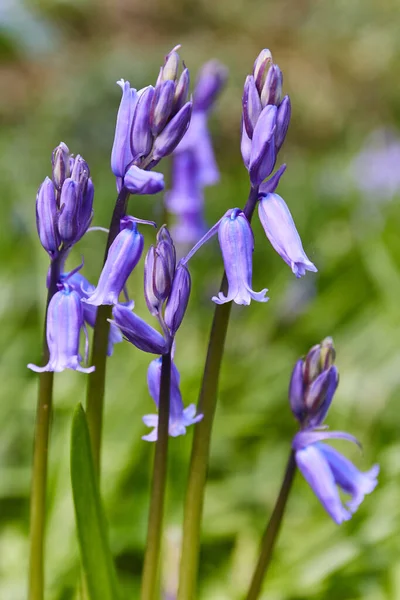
(202, 439)
(156, 509)
(40, 458)
(96, 380)
(271, 533)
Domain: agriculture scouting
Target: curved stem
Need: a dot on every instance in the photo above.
(156, 510)
(40, 457)
(96, 380)
(202, 439)
(271, 533)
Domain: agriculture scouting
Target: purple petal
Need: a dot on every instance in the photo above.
(316, 471)
(281, 231)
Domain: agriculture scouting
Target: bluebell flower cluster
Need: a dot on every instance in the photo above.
(150, 124)
(166, 289)
(313, 384)
(64, 203)
(265, 121)
(194, 165)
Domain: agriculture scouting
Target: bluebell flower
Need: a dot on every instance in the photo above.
(46, 217)
(312, 386)
(123, 256)
(265, 118)
(138, 332)
(63, 327)
(237, 244)
(178, 299)
(326, 470)
(179, 417)
(138, 181)
(281, 231)
(84, 289)
(121, 154)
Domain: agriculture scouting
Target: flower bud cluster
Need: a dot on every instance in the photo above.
(266, 117)
(166, 290)
(312, 386)
(313, 383)
(150, 124)
(64, 204)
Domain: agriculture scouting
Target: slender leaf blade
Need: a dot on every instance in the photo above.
(90, 521)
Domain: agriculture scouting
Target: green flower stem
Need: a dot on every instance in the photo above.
(202, 439)
(272, 531)
(96, 380)
(40, 457)
(154, 531)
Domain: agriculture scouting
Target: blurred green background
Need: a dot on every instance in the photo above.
(341, 59)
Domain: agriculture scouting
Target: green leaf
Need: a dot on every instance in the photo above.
(91, 525)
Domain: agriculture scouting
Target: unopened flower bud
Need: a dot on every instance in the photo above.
(282, 122)
(263, 156)
(46, 217)
(161, 106)
(141, 136)
(139, 181)
(181, 91)
(172, 134)
(171, 65)
(121, 154)
(251, 105)
(178, 299)
(60, 164)
(138, 332)
(271, 92)
(261, 65)
(313, 383)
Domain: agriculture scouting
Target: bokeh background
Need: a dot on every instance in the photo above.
(341, 62)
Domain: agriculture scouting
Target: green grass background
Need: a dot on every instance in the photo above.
(341, 63)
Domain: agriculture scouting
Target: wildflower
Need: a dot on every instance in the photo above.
(84, 289)
(281, 231)
(63, 327)
(150, 124)
(179, 417)
(64, 205)
(138, 332)
(123, 256)
(313, 384)
(237, 244)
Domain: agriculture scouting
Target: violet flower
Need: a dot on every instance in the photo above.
(123, 256)
(63, 328)
(313, 384)
(179, 417)
(84, 289)
(150, 124)
(237, 244)
(64, 205)
(166, 290)
(281, 231)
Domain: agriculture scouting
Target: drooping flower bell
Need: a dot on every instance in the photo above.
(313, 384)
(64, 205)
(237, 244)
(123, 256)
(150, 124)
(63, 328)
(179, 417)
(281, 231)
(84, 289)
